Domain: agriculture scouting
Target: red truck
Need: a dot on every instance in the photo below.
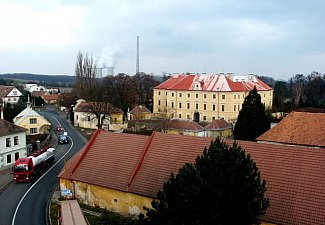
(25, 169)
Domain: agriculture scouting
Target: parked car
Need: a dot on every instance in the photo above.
(59, 128)
(63, 139)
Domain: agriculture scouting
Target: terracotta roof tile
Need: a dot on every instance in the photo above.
(86, 107)
(300, 128)
(184, 125)
(49, 97)
(5, 90)
(213, 82)
(7, 128)
(140, 164)
(219, 124)
(139, 109)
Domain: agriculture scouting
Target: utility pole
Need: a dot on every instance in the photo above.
(137, 69)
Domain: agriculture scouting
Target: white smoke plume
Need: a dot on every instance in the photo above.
(107, 57)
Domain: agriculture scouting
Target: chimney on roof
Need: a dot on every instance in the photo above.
(250, 77)
(230, 76)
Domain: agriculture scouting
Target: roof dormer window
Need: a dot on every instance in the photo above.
(197, 86)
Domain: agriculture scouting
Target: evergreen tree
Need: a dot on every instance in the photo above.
(222, 187)
(252, 120)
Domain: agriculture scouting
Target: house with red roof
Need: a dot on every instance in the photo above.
(218, 128)
(85, 117)
(298, 128)
(207, 97)
(184, 127)
(123, 173)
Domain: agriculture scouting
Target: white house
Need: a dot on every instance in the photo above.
(12, 143)
(9, 94)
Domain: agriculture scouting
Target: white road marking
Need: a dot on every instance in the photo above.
(22, 199)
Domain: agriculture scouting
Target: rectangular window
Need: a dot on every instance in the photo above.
(188, 105)
(8, 158)
(238, 96)
(8, 142)
(180, 105)
(33, 120)
(16, 140)
(158, 92)
(214, 96)
(235, 96)
(33, 130)
(238, 107)
(158, 102)
(173, 94)
(213, 118)
(180, 115)
(214, 107)
(188, 117)
(223, 97)
(204, 95)
(204, 118)
(188, 95)
(180, 95)
(88, 118)
(77, 117)
(16, 156)
(234, 108)
(205, 106)
(196, 95)
(196, 106)
(172, 105)
(222, 108)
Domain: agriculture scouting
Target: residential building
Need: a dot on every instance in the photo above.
(123, 172)
(207, 97)
(32, 121)
(9, 94)
(84, 117)
(139, 112)
(298, 128)
(31, 87)
(50, 98)
(218, 128)
(12, 143)
(184, 127)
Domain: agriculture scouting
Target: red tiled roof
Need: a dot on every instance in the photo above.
(5, 90)
(38, 93)
(139, 109)
(140, 164)
(300, 128)
(86, 107)
(212, 82)
(50, 97)
(219, 124)
(7, 128)
(184, 125)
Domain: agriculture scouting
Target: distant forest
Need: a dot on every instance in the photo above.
(46, 80)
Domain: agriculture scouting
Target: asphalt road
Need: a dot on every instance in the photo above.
(26, 203)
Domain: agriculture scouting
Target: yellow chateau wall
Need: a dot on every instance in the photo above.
(232, 102)
(39, 125)
(114, 200)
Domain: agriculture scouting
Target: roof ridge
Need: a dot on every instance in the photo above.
(139, 164)
(84, 153)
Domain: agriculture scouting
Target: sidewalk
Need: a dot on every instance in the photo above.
(6, 176)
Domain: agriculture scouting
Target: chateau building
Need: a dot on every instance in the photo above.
(207, 97)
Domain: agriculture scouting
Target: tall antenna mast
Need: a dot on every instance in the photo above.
(137, 69)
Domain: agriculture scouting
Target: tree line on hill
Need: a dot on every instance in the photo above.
(299, 91)
(44, 80)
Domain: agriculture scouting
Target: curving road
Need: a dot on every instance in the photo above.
(26, 203)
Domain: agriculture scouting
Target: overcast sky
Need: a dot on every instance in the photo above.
(277, 38)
